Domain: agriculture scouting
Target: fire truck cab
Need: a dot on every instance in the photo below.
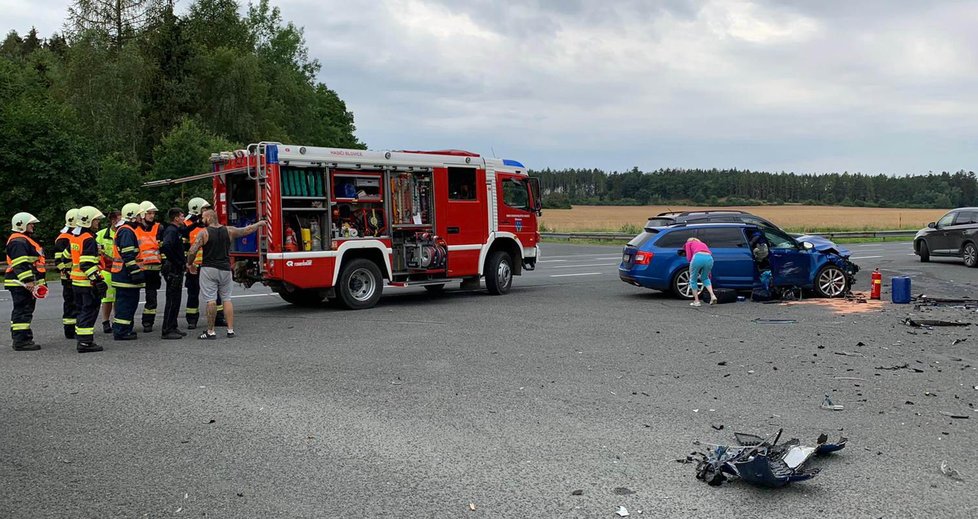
(345, 223)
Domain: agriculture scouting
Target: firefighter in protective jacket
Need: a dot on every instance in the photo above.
(62, 256)
(105, 237)
(127, 275)
(149, 235)
(23, 277)
(86, 277)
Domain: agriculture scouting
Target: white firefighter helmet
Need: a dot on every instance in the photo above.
(87, 215)
(20, 221)
(70, 217)
(147, 206)
(197, 205)
(131, 211)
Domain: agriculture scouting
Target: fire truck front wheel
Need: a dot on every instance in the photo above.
(361, 284)
(499, 273)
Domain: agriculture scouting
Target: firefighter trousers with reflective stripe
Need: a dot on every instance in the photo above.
(126, 301)
(69, 313)
(153, 284)
(193, 298)
(174, 293)
(21, 315)
(88, 300)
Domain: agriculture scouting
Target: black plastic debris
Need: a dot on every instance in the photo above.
(577, 493)
(775, 321)
(761, 461)
(932, 322)
(956, 416)
(957, 341)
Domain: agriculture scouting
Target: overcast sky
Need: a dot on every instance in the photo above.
(796, 85)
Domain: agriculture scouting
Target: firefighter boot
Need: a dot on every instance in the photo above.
(26, 346)
(106, 327)
(70, 331)
(88, 347)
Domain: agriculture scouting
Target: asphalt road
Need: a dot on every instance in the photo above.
(427, 404)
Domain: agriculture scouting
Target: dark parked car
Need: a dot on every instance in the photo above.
(655, 259)
(954, 235)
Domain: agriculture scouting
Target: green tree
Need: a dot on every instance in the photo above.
(182, 152)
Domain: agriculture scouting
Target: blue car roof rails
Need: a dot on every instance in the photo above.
(705, 211)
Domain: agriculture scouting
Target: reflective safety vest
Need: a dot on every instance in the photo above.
(79, 277)
(63, 257)
(149, 246)
(199, 257)
(105, 239)
(122, 270)
(36, 261)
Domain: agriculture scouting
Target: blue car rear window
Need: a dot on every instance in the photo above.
(641, 239)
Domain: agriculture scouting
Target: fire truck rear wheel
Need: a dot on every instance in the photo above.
(499, 273)
(303, 297)
(360, 284)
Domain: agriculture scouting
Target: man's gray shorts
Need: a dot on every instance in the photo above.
(214, 282)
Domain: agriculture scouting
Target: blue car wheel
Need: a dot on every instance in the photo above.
(831, 281)
(680, 285)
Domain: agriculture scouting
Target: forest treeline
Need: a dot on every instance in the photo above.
(720, 187)
(132, 91)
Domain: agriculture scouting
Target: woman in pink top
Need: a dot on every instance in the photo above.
(700, 264)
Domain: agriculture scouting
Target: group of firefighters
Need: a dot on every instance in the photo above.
(107, 267)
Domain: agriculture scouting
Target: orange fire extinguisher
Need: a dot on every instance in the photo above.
(877, 284)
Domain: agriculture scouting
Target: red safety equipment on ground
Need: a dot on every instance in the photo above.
(291, 243)
(877, 284)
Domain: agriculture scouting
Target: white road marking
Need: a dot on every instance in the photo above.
(579, 274)
(582, 266)
(864, 257)
(550, 261)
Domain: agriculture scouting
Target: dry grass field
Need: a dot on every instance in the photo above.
(795, 218)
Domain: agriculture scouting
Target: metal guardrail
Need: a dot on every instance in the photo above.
(617, 236)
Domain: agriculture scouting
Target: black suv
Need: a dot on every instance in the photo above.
(954, 235)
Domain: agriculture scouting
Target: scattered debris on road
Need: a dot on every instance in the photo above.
(927, 323)
(775, 321)
(761, 461)
(829, 406)
(955, 416)
(622, 511)
(577, 493)
(949, 472)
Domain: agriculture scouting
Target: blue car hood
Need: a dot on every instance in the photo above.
(822, 244)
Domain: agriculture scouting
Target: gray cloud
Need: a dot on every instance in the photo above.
(877, 86)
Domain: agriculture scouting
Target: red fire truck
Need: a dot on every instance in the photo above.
(345, 222)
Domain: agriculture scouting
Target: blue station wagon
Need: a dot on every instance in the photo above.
(656, 259)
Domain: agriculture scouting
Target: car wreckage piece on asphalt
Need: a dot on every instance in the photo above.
(761, 461)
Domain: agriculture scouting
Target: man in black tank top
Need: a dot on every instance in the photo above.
(215, 269)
